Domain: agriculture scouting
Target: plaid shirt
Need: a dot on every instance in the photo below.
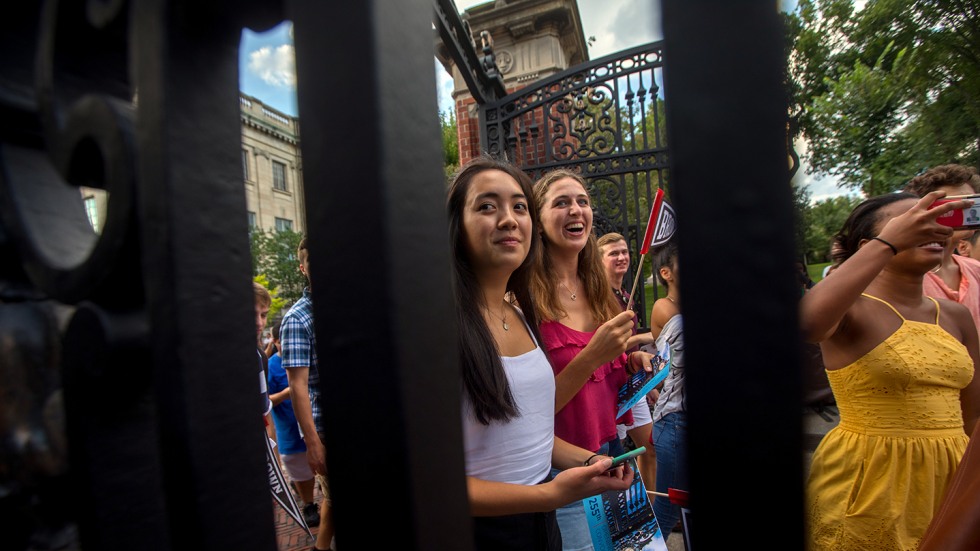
(299, 349)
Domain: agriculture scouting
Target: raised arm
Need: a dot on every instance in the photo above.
(824, 306)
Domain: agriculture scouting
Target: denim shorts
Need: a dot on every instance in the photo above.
(574, 525)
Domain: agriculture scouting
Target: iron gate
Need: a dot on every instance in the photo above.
(604, 119)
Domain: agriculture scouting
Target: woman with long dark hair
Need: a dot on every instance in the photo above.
(508, 384)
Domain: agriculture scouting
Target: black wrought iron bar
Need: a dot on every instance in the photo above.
(456, 36)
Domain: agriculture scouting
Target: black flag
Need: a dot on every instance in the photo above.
(280, 488)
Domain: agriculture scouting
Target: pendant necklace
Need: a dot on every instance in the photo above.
(502, 317)
(571, 295)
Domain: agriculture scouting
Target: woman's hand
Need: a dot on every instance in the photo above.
(581, 482)
(918, 225)
(640, 360)
(611, 339)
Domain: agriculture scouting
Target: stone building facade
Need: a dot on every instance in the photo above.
(272, 167)
(532, 40)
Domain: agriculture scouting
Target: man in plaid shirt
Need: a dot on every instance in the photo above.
(299, 359)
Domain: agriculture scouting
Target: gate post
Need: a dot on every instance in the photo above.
(379, 250)
(724, 82)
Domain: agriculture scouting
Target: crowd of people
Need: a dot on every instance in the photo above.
(546, 339)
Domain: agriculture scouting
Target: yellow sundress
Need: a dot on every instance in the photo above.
(877, 479)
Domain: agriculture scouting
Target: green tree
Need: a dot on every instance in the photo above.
(278, 303)
(450, 142)
(274, 258)
(886, 91)
(825, 218)
(801, 219)
(855, 132)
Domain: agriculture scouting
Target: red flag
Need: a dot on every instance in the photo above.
(652, 223)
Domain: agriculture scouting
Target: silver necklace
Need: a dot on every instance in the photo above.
(571, 295)
(502, 317)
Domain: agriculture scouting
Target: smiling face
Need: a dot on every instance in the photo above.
(616, 260)
(566, 214)
(496, 222)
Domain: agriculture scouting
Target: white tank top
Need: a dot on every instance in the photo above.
(518, 451)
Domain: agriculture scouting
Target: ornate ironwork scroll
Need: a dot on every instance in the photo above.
(603, 119)
(130, 420)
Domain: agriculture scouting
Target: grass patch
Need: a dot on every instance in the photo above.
(816, 271)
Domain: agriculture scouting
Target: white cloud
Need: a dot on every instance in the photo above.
(444, 87)
(619, 24)
(820, 187)
(274, 66)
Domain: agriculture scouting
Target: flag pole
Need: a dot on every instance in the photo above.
(636, 280)
(647, 240)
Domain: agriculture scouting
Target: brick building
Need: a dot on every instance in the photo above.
(532, 40)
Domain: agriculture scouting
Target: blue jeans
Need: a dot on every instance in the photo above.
(670, 441)
(574, 525)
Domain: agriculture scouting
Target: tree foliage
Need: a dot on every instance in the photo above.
(884, 92)
(274, 258)
(824, 219)
(450, 142)
(278, 303)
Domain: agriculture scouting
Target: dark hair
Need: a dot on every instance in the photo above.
(270, 349)
(276, 327)
(602, 302)
(484, 380)
(943, 175)
(863, 224)
(665, 257)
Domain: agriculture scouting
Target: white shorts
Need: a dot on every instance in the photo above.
(641, 416)
(297, 467)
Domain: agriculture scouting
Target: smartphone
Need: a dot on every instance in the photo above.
(617, 461)
(967, 218)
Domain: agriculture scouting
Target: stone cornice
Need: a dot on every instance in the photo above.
(259, 116)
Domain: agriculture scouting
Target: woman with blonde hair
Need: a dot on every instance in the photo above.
(583, 328)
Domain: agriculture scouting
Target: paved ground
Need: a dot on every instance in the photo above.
(290, 536)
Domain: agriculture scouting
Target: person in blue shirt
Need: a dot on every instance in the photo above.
(292, 449)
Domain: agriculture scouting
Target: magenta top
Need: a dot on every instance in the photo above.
(589, 419)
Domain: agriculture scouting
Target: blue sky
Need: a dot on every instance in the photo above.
(267, 67)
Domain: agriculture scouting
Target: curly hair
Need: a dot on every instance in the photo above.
(941, 176)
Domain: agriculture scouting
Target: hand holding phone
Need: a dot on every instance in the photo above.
(618, 461)
(967, 218)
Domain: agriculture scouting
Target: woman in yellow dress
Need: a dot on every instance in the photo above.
(901, 366)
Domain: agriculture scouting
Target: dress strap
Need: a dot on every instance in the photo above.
(936, 302)
(886, 304)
